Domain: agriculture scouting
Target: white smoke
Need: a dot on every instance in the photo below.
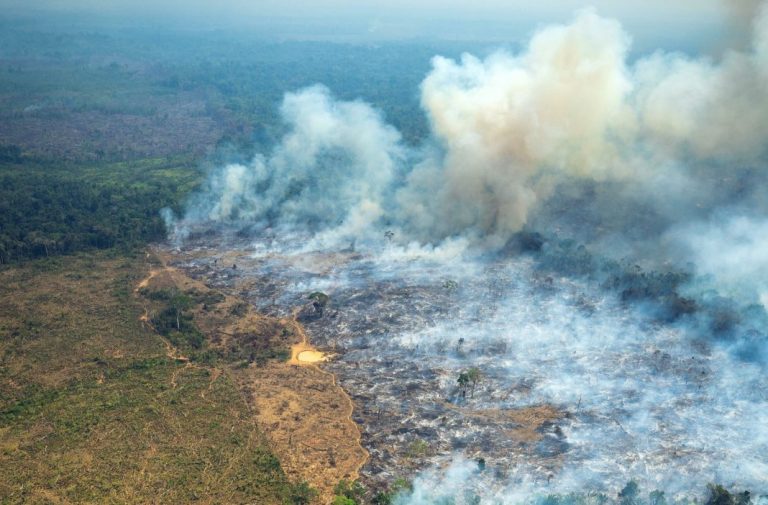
(452, 484)
(731, 255)
(333, 168)
(506, 131)
(682, 136)
(511, 123)
(683, 140)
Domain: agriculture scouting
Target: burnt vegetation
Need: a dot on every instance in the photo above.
(668, 296)
(173, 316)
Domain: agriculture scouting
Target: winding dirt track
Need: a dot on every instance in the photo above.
(303, 348)
(170, 350)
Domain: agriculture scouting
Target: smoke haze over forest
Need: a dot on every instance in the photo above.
(680, 140)
(565, 202)
(655, 166)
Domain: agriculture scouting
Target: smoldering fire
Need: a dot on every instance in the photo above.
(662, 163)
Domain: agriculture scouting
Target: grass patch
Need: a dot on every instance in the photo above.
(93, 411)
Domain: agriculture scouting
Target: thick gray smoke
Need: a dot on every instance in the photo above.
(668, 136)
(512, 127)
(332, 170)
(741, 14)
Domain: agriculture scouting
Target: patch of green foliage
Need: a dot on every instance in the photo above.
(49, 209)
(348, 493)
(631, 494)
(718, 495)
(301, 494)
(320, 298)
(93, 411)
(399, 487)
(468, 379)
(417, 449)
(173, 318)
(176, 322)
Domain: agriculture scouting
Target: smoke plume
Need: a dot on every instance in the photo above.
(659, 162)
(332, 169)
(741, 14)
(510, 125)
(643, 149)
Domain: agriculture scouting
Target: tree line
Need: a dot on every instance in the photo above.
(48, 210)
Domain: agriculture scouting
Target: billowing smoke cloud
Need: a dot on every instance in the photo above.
(661, 161)
(509, 125)
(668, 140)
(512, 127)
(332, 170)
(713, 110)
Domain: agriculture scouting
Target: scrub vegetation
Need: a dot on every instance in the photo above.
(92, 408)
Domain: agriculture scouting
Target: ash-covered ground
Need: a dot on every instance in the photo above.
(560, 289)
(576, 390)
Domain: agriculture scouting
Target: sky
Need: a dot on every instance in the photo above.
(694, 24)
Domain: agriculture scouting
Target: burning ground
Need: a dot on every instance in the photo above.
(577, 390)
(561, 290)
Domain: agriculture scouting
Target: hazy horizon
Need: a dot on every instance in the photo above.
(687, 25)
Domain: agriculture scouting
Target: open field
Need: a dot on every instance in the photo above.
(93, 410)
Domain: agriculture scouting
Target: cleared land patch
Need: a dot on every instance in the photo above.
(305, 415)
(93, 411)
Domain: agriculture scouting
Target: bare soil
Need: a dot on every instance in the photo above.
(305, 415)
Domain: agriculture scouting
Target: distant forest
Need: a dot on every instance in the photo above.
(101, 129)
